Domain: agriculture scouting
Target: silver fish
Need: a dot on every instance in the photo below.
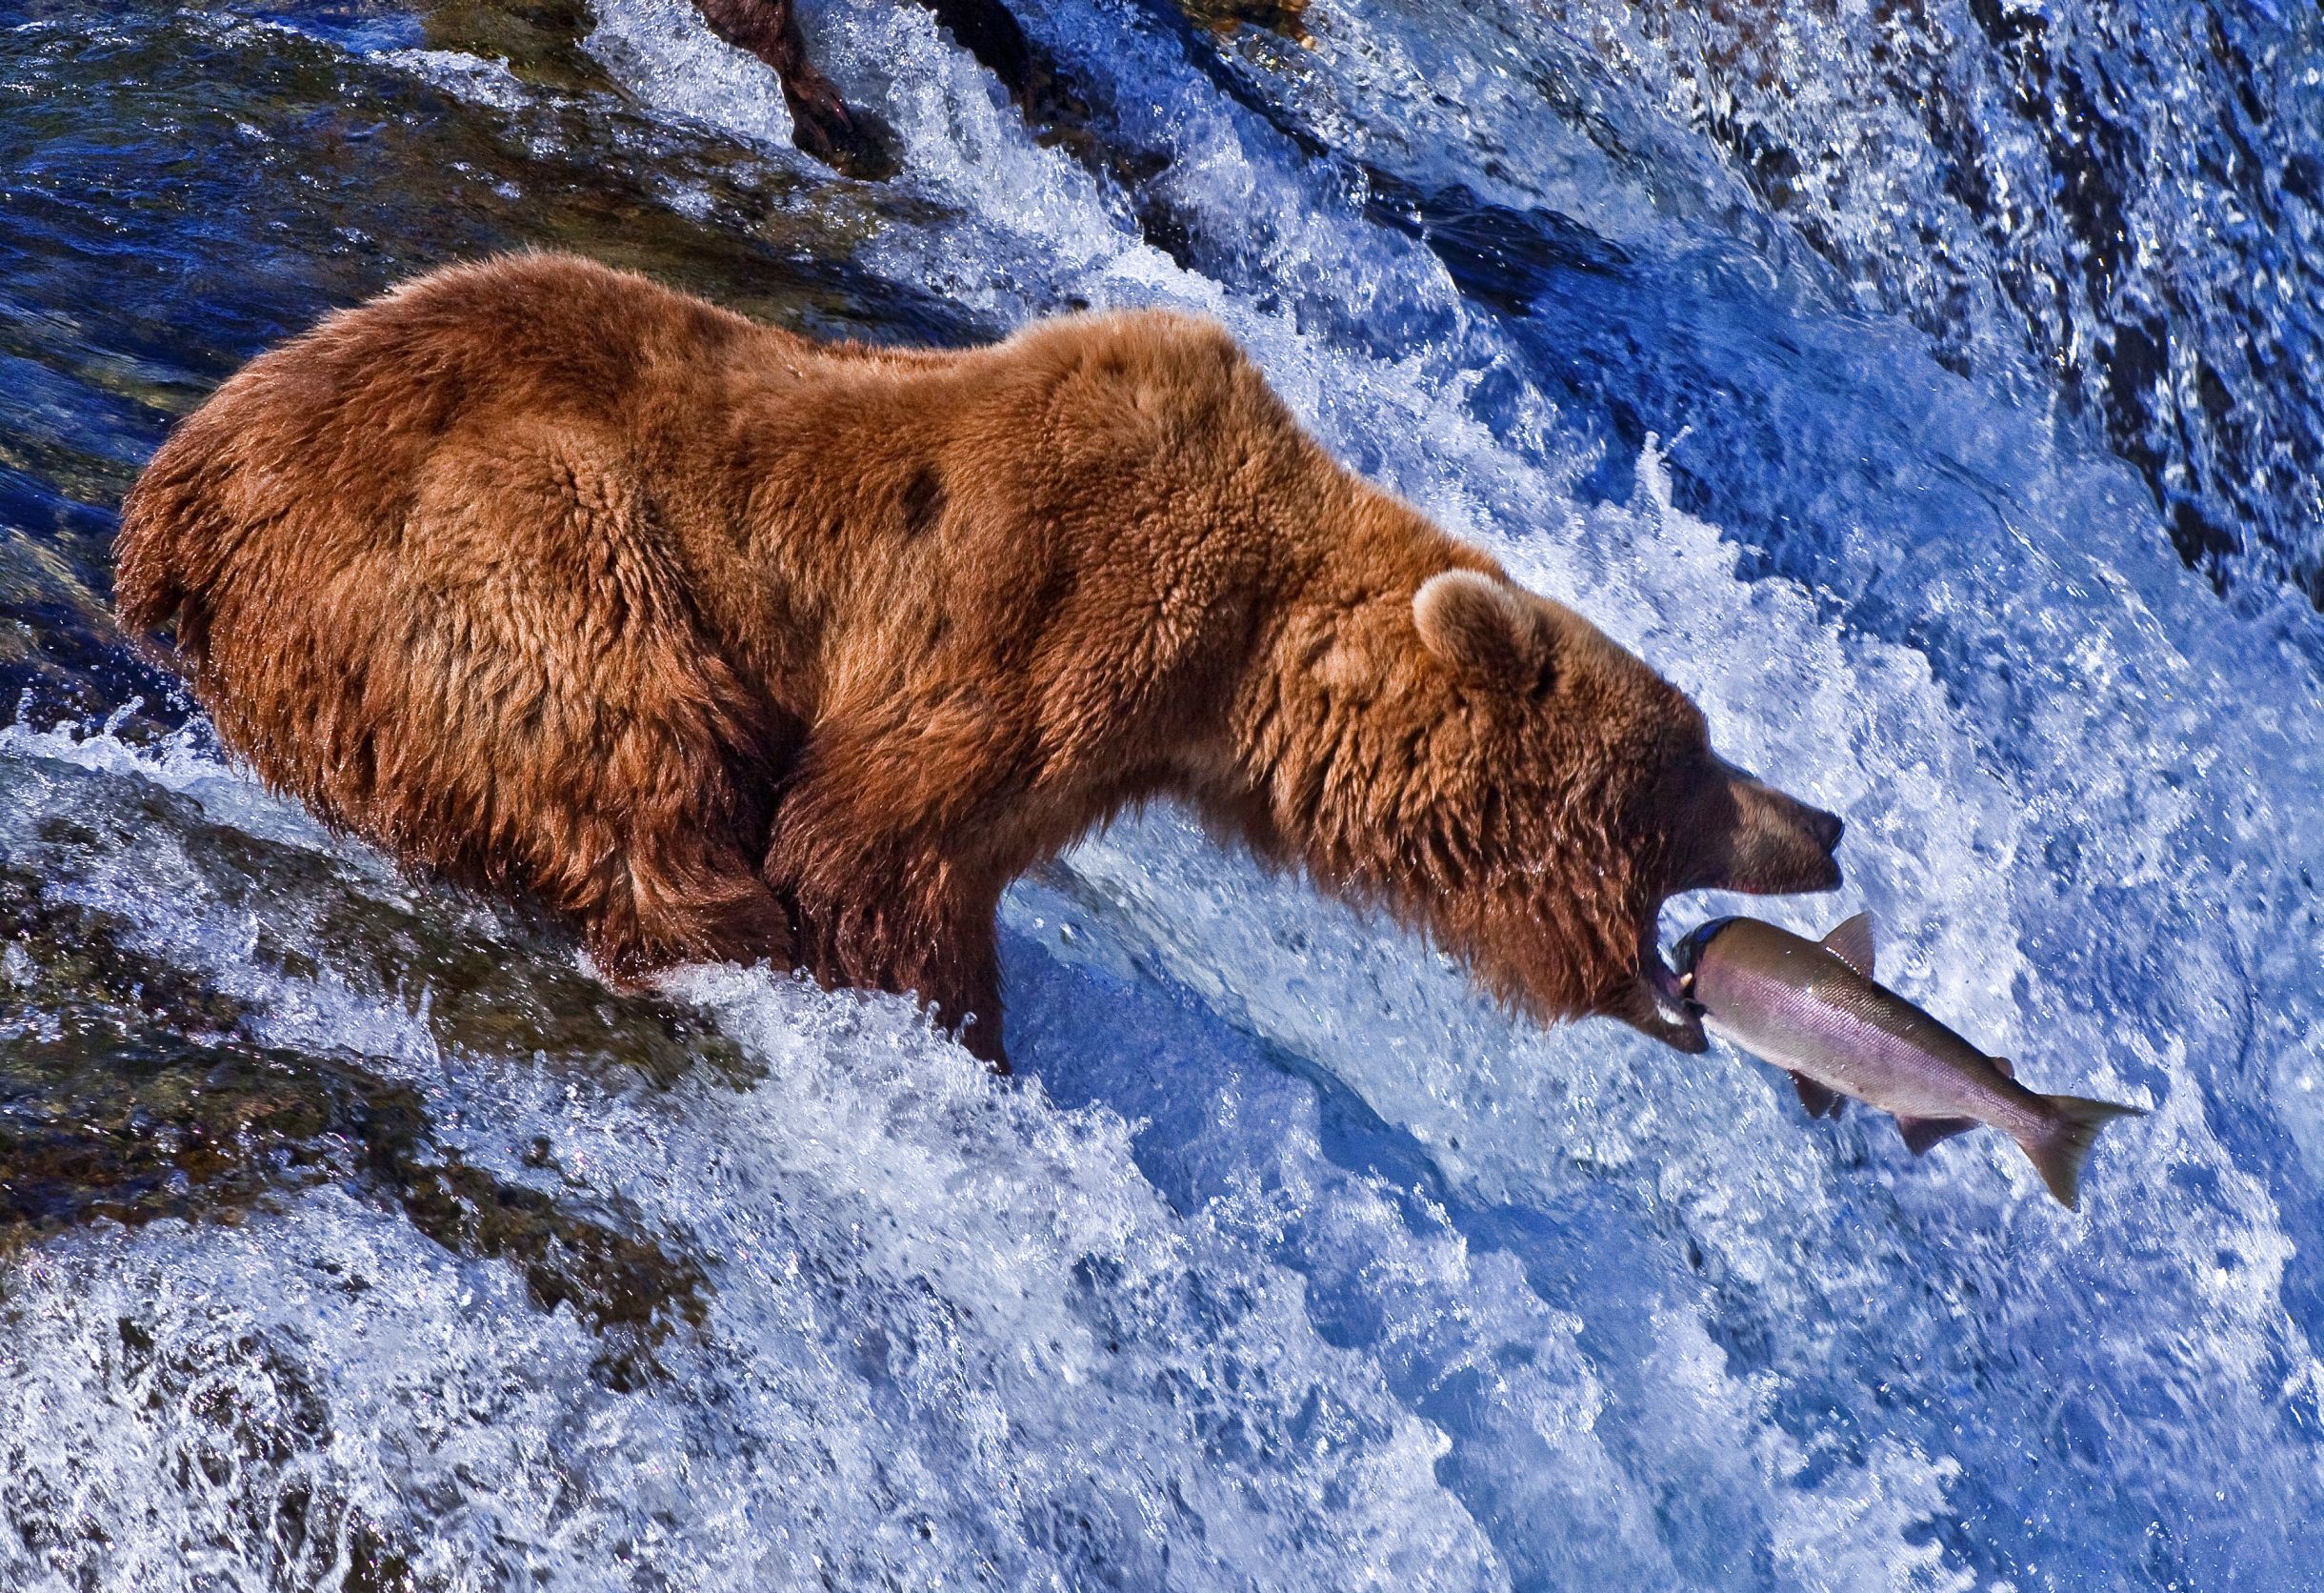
(1816, 1009)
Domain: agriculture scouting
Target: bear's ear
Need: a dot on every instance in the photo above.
(1483, 628)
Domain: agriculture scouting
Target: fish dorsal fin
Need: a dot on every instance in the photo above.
(2005, 1067)
(1920, 1133)
(1852, 944)
(1819, 1101)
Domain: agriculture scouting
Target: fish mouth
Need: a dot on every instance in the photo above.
(1660, 1003)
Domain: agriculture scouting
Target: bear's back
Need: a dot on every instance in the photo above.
(322, 441)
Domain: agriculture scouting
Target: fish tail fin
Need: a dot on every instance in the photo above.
(2059, 1146)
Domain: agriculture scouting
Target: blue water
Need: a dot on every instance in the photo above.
(1286, 1261)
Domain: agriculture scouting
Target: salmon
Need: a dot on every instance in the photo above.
(1816, 1009)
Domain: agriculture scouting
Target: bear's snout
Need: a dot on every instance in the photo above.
(1777, 844)
(1753, 839)
(1824, 831)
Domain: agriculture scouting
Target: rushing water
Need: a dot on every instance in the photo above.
(352, 1236)
(2110, 209)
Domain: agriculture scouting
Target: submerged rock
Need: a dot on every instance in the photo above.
(131, 1091)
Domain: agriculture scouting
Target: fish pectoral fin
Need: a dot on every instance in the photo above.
(1852, 942)
(1819, 1101)
(1920, 1133)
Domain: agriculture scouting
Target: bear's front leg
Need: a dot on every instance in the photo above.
(878, 907)
(847, 138)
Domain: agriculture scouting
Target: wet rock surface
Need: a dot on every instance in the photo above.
(127, 1095)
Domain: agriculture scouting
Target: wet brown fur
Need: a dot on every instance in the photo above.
(732, 645)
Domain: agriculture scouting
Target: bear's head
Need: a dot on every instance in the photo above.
(1540, 791)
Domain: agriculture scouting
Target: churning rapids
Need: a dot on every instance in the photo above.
(1873, 370)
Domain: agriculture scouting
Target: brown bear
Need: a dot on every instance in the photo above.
(729, 644)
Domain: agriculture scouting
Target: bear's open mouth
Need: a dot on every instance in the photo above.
(1667, 1013)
